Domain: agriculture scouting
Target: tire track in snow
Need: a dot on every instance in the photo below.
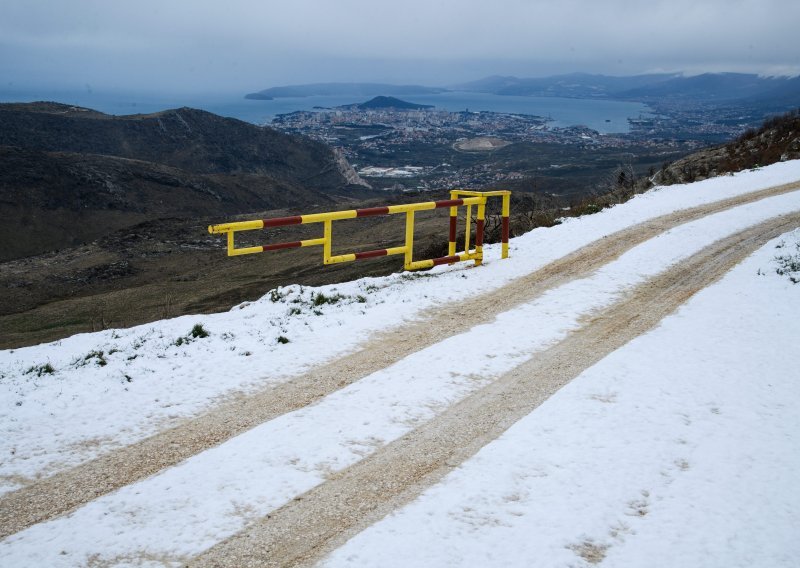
(67, 490)
(310, 526)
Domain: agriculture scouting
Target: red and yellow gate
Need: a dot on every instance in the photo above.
(458, 198)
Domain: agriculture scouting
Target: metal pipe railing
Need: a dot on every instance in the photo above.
(459, 198)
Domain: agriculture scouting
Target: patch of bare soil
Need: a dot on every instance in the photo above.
(480, 144)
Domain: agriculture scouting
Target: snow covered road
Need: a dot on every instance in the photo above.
(681, 448)
(181, 512)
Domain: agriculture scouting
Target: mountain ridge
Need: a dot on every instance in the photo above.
(644, 88)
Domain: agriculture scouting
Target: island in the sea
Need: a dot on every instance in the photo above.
(382, 102)
(258, 97)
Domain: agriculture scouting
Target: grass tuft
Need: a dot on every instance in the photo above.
(319, 299)
(98, 355)
(39, 370)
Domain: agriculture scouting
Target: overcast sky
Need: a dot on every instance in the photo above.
(238, 45)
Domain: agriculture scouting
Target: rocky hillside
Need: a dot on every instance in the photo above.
(69, 175)
(777, 140)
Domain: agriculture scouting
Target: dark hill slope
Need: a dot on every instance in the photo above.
(193, 140)
(71, 175)
(53, 200)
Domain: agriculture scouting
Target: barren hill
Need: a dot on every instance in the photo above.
(69, 175)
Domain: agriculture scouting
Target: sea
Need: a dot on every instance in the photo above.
(604, 116)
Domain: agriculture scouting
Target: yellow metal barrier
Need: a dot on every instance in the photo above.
(458, 198)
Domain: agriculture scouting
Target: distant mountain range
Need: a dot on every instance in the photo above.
(708, 87)
(344, 90)
(578, 85)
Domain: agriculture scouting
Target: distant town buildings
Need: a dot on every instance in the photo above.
(413, 145)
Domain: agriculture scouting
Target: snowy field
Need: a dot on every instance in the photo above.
(696, 416)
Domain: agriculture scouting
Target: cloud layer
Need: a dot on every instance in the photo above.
(238, 44)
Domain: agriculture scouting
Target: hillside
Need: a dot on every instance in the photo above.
(777, 140)
(54, 200)
(193, 140)
(69, 175)
(638, 417)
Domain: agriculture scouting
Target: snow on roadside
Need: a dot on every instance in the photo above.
(679, 449)
(212, 495)
(114, 387)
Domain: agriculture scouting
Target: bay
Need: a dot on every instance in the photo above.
(605, 116)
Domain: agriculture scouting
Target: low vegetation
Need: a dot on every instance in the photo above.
(39, 370)
(789, 262)
(98, 356)
(197, 332)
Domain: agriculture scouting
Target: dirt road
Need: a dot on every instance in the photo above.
(371, 488)
(315, 523)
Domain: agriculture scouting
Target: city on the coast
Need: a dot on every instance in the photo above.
(426, 148)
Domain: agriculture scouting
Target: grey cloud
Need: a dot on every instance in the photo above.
(237, 44)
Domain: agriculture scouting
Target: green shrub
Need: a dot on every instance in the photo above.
(198, 331)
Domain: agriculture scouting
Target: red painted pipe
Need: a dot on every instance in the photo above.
(445, 260)
(279, 246)
(448, 203)
(281, 221)
(371, 254)
(369, 211)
